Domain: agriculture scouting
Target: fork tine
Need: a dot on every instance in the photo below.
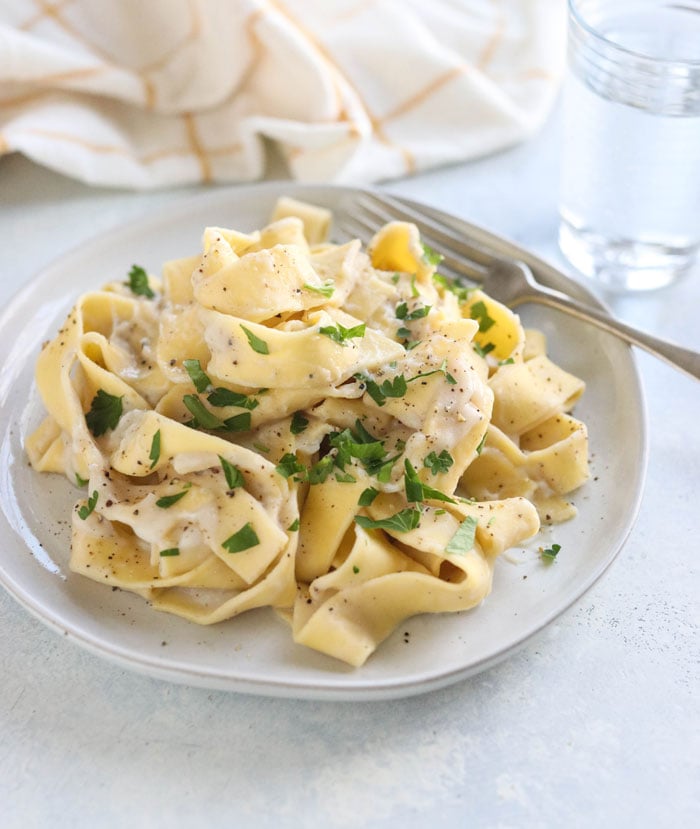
(384, 208)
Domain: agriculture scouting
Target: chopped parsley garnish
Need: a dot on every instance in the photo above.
(320, 470)
(441, 370)
(233, 475)
(355, 569)
(225, 397)
(363, 436)
(154, 454)
(356, 446)
(171, 551)
(367, 496)
(81, 481)
(507, 362)
(104, 414)
(138, 282)
(258, 345)
(418, 313)
(438, 463)
(414, 288)
(244, 539)
(84, 511)
(483, 350)
(480, 312)
(401, 522)
(203, 418)
(482, 443)
(167, 501)
(460, 291)
(432, 257)
(345, 478)
(463, 540)
(197, 374)
(298, 424)
(238, 423)
(294, 526)
(383, 471)
(389, 388)
(339, 333)
(417, 491)
(550, 553)
(289, 465)
(325, 290)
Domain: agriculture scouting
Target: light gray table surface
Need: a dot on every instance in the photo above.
(592, 723)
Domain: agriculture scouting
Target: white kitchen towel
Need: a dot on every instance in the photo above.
(156, 93)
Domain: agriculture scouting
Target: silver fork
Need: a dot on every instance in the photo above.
(502, 269)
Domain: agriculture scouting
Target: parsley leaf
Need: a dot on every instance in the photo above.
(482, 443)
(401, 522)
(171, 551)
(367, 496)
(345, 478)
(325, 290)
(234, 476)
(154, 454)
(418, 313)
(81, 481)
(389, 388)
(463, 540)
(168, 500)
(197, 374)
(244, 539)
(203, 418)
(339, 333)
(238, 423)
(348, 448)
(550, 553)
(258, 345)
(480, 312)
(432, 257)
(320, 470)
(460, 291)
(438, 463)
(84, 511)
(138, 282)
(483, 350)
(441, 370)
(225, 397)
(104, 414)
(383, 472)
(417, 491)
(294, 526)
(298, 424)
(289, 465)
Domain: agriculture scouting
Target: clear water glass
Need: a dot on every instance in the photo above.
(630, 176)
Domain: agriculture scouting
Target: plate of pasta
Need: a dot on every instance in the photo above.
(243, 452)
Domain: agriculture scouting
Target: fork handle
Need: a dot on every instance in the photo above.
(682, 358)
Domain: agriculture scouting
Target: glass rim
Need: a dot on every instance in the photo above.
(577, 15)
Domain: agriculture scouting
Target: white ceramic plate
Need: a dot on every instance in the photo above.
(255, 653)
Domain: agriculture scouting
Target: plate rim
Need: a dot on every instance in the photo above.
(338, 689)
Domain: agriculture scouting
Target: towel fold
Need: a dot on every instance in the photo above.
(167, 92)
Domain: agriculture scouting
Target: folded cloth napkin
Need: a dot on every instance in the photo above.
(151, 94)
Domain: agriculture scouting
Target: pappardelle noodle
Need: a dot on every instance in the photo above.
(346, 436)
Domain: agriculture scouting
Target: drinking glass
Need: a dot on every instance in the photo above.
(630, 177)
